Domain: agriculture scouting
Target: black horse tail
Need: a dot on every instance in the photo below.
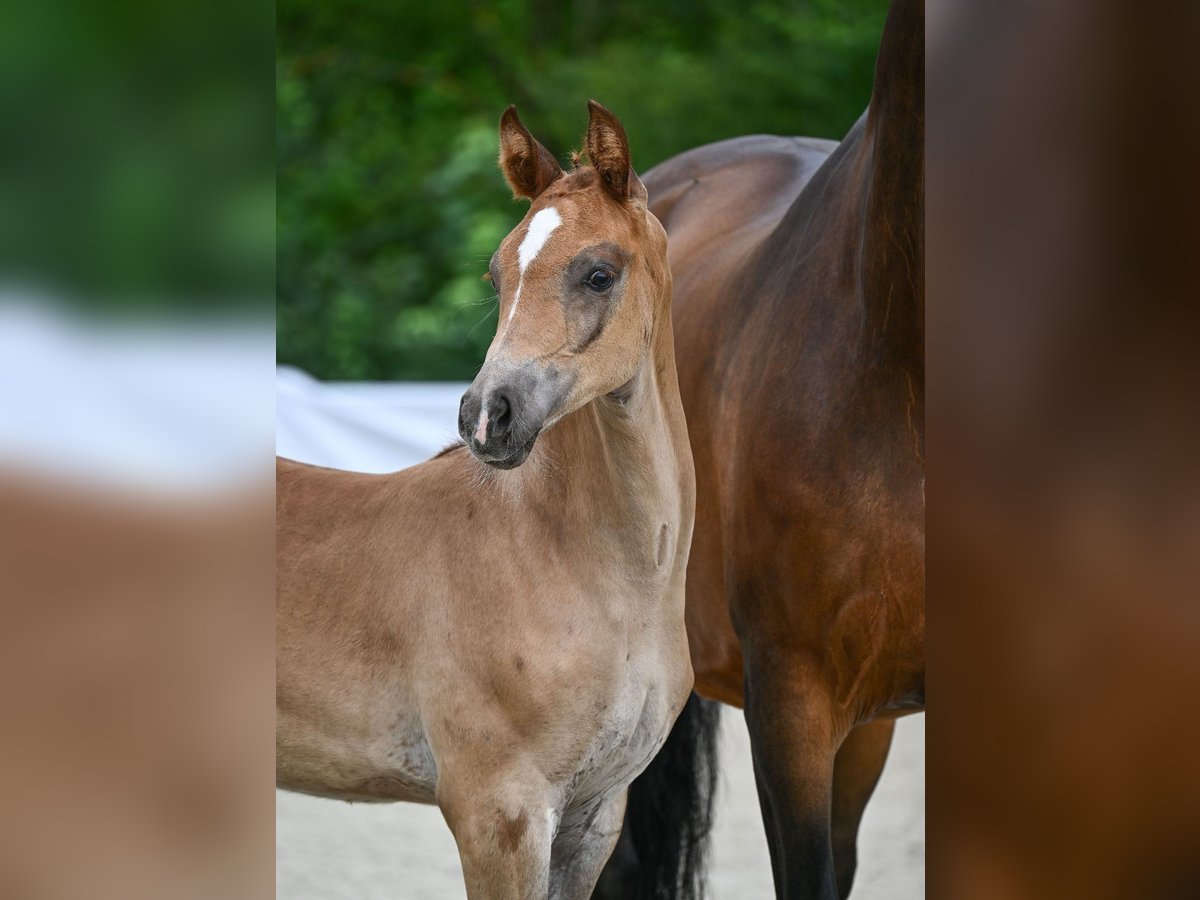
(663, 849)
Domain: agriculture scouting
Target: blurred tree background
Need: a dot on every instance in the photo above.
(389, 200)
(136, 163)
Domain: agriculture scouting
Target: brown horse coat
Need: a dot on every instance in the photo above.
(799, 320)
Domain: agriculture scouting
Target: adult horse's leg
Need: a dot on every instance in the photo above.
(856, 771)
(503, 830)
(794, 740)
(584, 842)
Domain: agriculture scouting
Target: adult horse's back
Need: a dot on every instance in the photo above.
(799, 328)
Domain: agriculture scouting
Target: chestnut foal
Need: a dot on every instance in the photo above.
(507, 640)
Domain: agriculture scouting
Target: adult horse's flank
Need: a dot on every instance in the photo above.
(799, 319)
(509, 642)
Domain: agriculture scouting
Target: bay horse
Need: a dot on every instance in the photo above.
(799, 323)
(500, 630)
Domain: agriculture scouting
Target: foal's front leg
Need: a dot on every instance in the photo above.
(584, 842)
(503, 828)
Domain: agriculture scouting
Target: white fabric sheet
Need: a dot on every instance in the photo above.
(363, 426)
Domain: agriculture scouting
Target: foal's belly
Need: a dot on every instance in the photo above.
(399, 765)
(596, 733)
(393, 765)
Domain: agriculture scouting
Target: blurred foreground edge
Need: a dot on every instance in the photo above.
(1064, 494)
(137, 657)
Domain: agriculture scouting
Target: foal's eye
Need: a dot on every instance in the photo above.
(600, 280)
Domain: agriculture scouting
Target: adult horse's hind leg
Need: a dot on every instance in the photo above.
(856, 771)
(584, 842)
(794, 740)
(503, 831)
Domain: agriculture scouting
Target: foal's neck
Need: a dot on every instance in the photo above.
(625, 456)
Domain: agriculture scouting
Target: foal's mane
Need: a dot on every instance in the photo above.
(457, 445)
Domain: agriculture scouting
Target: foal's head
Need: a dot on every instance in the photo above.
(582, 281)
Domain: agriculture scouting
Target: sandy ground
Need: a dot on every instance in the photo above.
(327, 850)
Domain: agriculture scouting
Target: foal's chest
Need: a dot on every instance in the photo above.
(637, 718)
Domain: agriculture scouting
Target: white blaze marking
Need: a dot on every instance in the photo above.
(516, 299)
(541, 226)
(539, 232)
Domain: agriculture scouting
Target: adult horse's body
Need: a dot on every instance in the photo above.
(509, 642)
(799, 323)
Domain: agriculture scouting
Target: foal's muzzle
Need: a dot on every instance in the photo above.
(498, 426)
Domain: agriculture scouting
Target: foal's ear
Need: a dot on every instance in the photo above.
(608, 150)
(528, 167)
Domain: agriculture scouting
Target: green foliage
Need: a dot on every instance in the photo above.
(136, 170)
(389, 200)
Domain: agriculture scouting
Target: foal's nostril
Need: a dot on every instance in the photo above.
(500, 414)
